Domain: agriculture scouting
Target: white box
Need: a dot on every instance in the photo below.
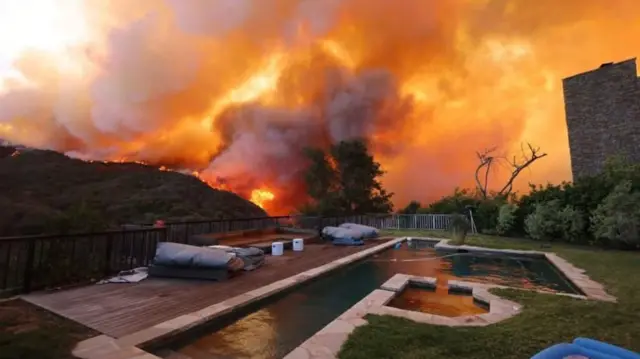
(298, 244)
(277, 248)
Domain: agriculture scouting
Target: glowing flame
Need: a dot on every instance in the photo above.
(261, 196)
(256, 86)
(231, 91)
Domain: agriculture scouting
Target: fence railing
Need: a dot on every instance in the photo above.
(49, 261)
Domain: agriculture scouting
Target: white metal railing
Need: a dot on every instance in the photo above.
(418, 221)
(391, 221)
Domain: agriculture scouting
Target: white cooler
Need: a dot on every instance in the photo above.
(298, 244)
(277, 248)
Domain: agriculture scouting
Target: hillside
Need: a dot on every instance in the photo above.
(45, 191)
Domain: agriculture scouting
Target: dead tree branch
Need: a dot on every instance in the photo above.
(529, 155)
(486, 160)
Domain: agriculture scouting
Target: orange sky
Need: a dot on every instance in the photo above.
(235, 89)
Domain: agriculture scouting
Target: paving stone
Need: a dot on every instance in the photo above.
(96, 352)
(319, 351)
(329, 342)
(180, 323)
(146, 356)
(93, 342)
(298, 353)
(429, 281)
(144, 336)
(240, 300)
(213, 311)
(127, 353)
(397, 283)
(272, 288)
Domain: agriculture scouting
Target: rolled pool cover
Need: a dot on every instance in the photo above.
(251, 256)
(367, 232)
(182, 255)
(343, 236)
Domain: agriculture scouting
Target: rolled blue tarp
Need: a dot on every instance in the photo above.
(367, 232)
(338, 232)
(343, 236)
(181, 255)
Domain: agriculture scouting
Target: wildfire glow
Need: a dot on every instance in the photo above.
(51, 29)
(261, 196)
(232, 91)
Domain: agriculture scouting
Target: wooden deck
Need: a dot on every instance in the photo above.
(124, 308)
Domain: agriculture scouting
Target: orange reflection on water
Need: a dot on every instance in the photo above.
(514, 272)
(245, 338)
(438, 302)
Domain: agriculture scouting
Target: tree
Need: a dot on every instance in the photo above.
(345, 180)
(616, 221)
(412, 208)
(506, 218)
(516, 166)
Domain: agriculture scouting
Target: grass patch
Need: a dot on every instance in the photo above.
(29, 332)
(545, 320)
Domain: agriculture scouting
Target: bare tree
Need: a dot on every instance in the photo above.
(516, 165)
(486, 160)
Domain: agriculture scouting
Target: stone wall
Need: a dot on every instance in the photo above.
(602, 109)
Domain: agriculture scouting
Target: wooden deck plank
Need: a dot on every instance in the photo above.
(119, 309)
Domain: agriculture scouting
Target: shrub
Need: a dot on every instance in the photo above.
(616, 221)
(485, 210)
(459, 228)
(487, 213)
(506, 219)
(543, 223)
(573, 224)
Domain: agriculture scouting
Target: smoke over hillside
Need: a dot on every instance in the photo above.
(234, 89)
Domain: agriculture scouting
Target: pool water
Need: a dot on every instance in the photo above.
(415, 258)
(438, 301)
(282, 323)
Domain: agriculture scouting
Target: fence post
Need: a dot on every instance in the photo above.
(186, 233)
(28, 270)
(108, 255)
(320, 226)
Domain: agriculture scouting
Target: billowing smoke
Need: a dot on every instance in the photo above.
(235, 89)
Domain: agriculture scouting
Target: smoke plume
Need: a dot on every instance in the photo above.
(235, 89)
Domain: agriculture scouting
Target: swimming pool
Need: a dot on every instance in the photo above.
(274, 327)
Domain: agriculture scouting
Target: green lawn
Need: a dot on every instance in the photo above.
(545, 320)
(28, 332)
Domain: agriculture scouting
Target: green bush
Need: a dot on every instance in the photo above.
(573, 224)
(616, 221)
(487, 213)
(506, 219)
(543, 224)
(550, 221)
(485, 210)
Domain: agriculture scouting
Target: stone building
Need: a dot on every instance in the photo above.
(602, 109)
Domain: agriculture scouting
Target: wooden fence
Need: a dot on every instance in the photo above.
(47, 261)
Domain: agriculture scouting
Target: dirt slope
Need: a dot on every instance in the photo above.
(45, 191)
